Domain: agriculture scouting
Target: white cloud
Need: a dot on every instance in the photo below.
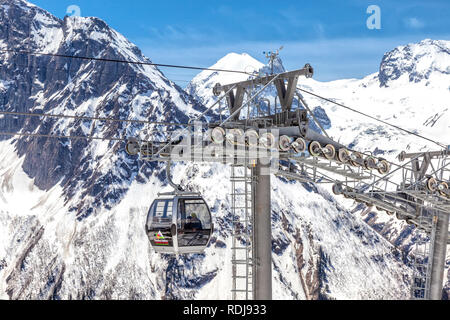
(414, 23)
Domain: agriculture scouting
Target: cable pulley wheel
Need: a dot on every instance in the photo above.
(146, 149)
(267, 140)
(443, 186)
(358, 159)
(432, 184)
(299, 145)
(218, 135)
(370, 163)
(284, 143)
(314, 148)
(343, 155)
(384, 167)
(329, 151)
(235, 136)
(251, 138)
(132, 147)
(337, 189)
(400, 216)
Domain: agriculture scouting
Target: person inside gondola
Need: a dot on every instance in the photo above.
(194, 223)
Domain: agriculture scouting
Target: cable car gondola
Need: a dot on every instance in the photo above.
(179, 222)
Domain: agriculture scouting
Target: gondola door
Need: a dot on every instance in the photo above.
(159, 222)
(194, 225)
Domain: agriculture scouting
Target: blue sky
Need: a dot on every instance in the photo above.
(331, 35)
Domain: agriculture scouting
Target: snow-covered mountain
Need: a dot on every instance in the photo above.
(72, 212)
(202, 85)
(61, 242)
(411, 90)
(426, 62)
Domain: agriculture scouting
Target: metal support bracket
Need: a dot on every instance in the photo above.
(286, 93)
(235, 101)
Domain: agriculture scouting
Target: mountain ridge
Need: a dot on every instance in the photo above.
(80, 235)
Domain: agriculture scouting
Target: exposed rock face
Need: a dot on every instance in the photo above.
(58, 246)
(44, 84)
(72, 211)
(419, 62)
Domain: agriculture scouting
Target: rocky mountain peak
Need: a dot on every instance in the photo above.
(60, 85)
(416, 62)
(202, 85)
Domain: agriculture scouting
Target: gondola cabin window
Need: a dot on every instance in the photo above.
(159, 224)
(194, 222)
(163, 209)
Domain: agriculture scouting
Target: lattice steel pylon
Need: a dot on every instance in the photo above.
(414, 191)
(242, 187)
(422, 260)
(422, 200)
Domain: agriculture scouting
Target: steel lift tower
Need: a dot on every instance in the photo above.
(255, 135)
(263, 234)
(261, 137)
(429, 171)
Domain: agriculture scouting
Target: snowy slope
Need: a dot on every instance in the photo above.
(80, 87)
(64, 244)
(411, 91)
(73, 212)
(48, 254)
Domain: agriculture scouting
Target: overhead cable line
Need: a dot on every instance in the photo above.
(442, 145)
(57, 136)
(120, 61)
(85, 118)
(64, 71)
(217, 70)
